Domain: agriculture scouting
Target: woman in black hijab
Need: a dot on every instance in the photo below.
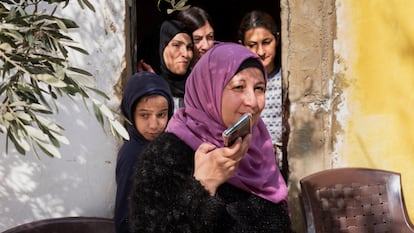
(147, 103)
(175, 54)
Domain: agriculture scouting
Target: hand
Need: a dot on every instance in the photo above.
(142, 66)
(214, 166)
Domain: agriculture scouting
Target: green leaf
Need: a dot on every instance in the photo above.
(53, 140)
(8, 116)
(180, 4)
(98, 114)
(106, 111)
(63, 50)
(17, 104)
(2, 128)
(69, 23)
(49, 149)
(18, 138)
(47, 123)
(120, 129)
(82, 81)
(99, 92)
(35, 133)
(61, 138)
(16, 143)
(3, 87)
(50, 79)
(80, 4)
(185, 7)
(89, 5)
(79, 49)
(61, 25)
(22, 141)
(24, 116)
(40, 108)
(9, 26)
(5, 47)
(70, 90)
(80, 71)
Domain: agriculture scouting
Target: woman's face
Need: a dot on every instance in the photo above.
(151, 116)
(203, 39)
(178, 53)
(244, 93)
(263, 43)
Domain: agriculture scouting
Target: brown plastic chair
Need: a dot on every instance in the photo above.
(66, 225)
(354, 200)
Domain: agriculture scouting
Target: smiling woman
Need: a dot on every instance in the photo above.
(168, 52)
(200, 24)
(176, 52)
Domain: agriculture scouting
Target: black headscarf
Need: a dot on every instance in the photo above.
(169, 29)
(141, 84)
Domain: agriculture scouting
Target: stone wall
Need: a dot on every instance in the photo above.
(308, 32)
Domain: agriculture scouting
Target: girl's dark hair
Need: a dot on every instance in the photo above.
(194, 18)
(256, 19)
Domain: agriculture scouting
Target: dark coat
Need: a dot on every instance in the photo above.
(166, 197)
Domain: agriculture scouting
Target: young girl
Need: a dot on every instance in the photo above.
(148, 105)
(259, 33)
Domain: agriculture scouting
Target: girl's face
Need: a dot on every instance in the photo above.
(203, 40)
(178, 53)
(151, 116)
(263, 43)
(244, 93)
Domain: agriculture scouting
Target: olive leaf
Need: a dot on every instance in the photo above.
(180, 5)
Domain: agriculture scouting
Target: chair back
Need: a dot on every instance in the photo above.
(354, 200)
(66, 225)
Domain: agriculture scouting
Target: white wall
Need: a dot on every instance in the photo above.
(82, 181)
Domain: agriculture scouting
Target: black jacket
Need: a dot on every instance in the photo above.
(166, 197)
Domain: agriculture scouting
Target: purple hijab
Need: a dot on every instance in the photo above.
(201, 121)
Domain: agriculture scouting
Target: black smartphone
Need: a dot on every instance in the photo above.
(239, 129)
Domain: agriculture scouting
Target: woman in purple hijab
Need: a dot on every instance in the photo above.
(187, 181)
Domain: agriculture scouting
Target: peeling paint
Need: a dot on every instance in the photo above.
(375, 43)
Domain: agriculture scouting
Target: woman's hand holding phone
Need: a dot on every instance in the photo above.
(214, 166)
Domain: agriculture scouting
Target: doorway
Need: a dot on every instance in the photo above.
(146, 16)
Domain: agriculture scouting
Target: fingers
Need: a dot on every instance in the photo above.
(147, 67)
(245, 144)
(206, 147)
(213, 166)
(142, 66)
(239, 148)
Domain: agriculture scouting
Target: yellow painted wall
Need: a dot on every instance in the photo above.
(379, 130)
